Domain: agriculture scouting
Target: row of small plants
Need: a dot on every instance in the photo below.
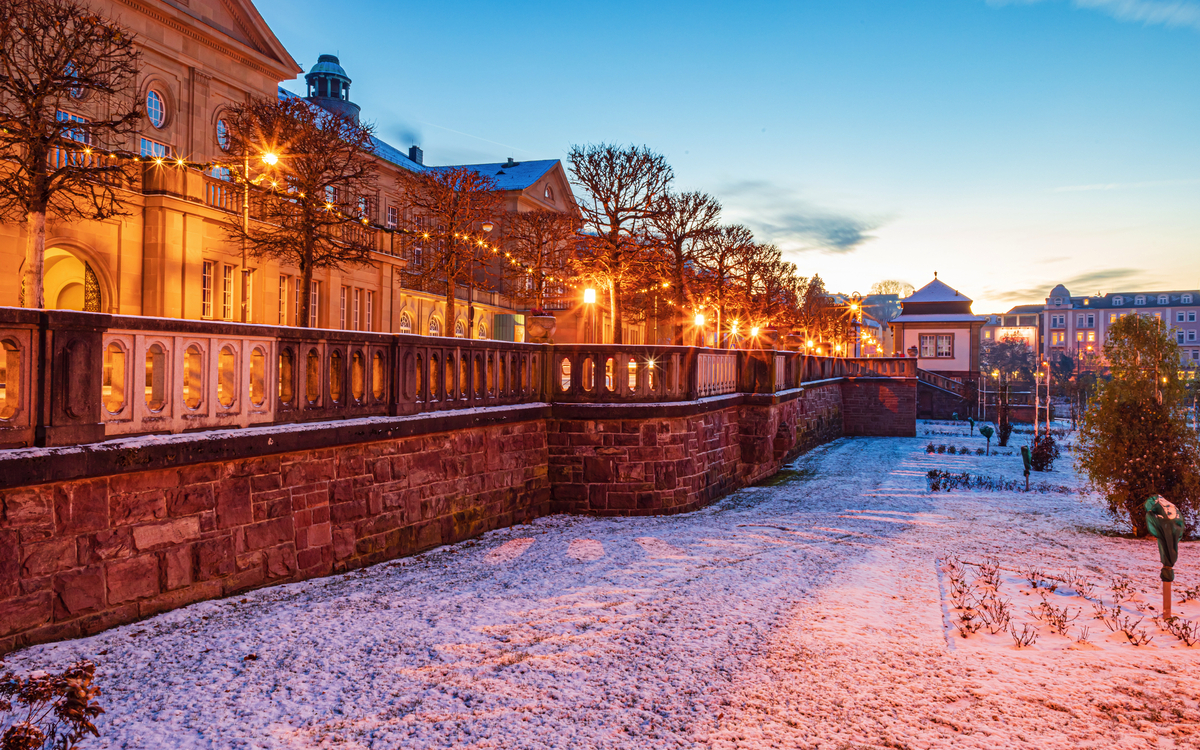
(978, 604)
(963, 451)
(944, 481)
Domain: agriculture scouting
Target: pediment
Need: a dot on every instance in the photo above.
(238, 20)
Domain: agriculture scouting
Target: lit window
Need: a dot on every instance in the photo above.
(227, 292)
(460, 331)
(342, 310)
(154, 149)
(314, 296)
(1079, 336)
(405, 323)
(435, 327)
(206, 289)
(368, 320)
(283, 286)
(1091, 336)
(358, 309)
(393, 217)
(156, 109)
(223, 135)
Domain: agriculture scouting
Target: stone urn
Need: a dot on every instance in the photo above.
(912, 351)
(794, 342)
(769, 337)
(539, 328)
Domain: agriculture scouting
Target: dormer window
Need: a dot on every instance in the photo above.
(1058, 300)
(1139, 300)
(1186, 299)
(1164, 299)
(1118, 300)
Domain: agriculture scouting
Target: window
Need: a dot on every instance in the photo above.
(222, 135)
(460, 331)
(482, 331)
(283, 287)
(342, 308)
(154, 149)
(1186, 299)
(1191, 316)
(1118, 300)
(1179, 337)
(206, 289)
(1058, 321)
(1191, 335)
(1058, 338)
(227, 292)
(1058, 300)
(549, 193)
(405, 323)
(1179, 317)
(79, 135)
(296, 307)
(314, 297)
(1164, 299)
(435, 327)
(987, 334)
(156, 109)
(937, 345)
(1091, 321)
(358, 309)
(393, 217)
(1079, 321)
(1139, 300)
(249, 295)
(1091, 336)
(1079, 336)
(369, 318)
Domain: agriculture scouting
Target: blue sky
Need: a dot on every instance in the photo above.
(1008, 145)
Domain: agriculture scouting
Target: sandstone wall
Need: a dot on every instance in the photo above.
(878, 407)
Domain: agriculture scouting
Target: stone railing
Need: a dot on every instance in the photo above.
(69, 377)
(941, 381)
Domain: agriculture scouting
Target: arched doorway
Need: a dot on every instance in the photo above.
(69, 282)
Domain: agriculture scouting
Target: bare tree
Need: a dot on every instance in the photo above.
(717, 268)
(543, 244)
(66, 90)
(680, 227)
(621, 187)
(892, 286)
(446, 208)
(314, 215)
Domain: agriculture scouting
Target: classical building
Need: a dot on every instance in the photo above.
(168, 255)
(937, 327)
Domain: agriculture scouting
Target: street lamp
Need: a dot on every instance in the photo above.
(699, 321)
(270, 158)
(589, 299)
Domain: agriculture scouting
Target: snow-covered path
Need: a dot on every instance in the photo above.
(807, 614)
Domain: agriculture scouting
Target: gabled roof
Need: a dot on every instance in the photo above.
(518, 175)
(240, 21)
(939, 318)
(936, 291)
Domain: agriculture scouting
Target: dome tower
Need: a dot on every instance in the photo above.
(329, 87)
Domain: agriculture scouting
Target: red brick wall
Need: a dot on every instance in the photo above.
(879, 407)
(79, 557)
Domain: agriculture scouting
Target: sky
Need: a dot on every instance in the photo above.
(1008, 145)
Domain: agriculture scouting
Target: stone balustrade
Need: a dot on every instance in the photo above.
(69, 378)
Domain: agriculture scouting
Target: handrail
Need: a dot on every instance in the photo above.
(103, 376)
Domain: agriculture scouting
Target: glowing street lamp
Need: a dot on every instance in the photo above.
(699, 321)
(270, 158)
(589, 299)
(754, 331)
(589, 296)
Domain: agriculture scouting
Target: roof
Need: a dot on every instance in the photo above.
(518, 175)
(328, 65)
(936, 291)
(1026, 310)
(383, 150)
(940, 318)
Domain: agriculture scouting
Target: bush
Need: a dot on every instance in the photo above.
(1004, 430)
(929, 448)
(941, 449)
(48, 711)
(964, 451)
(951, 450)
(1044, 453)
(979, 451)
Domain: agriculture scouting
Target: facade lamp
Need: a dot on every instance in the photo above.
(488, 226)
(589, 296)
(699, 320)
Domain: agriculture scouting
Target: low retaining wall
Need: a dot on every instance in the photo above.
(79, 555)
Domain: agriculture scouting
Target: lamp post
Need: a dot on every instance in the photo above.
(472, 332)
(270, 159)
(856, 321)
(699, 321)
(589, 299)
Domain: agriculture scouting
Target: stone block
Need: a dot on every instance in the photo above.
(25, 612)
(80, 507)
(136, 507)
(269, 533)
(49, 557)
(10, 563)
(233, 502)
(179, 564)
(281, 561)
(27, 506)
(131, 579)
(189, 499)
(214, 558)
(343, 542)
(78, 592)
(166, 534)
(105, 545)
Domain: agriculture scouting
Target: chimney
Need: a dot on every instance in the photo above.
(510, 162)
(416, 154)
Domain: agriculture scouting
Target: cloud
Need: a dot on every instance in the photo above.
(1084, 283)
(778, 216)
(1169, 13)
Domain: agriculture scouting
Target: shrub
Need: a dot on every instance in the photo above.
(979, 451)
(49, 711)
(1045, 452)
(951, 450)
(941, 449)
(1134, 440)
(929, 448)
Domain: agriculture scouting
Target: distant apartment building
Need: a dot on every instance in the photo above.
(1078, 326)
(1023, 322)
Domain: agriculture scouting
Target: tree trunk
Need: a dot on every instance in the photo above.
(614, 297)
(1137, 518)
(303, 315)
(35, 256)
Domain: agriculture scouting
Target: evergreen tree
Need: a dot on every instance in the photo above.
(1134, 440)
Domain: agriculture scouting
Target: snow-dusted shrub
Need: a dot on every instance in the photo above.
(1184, 630)
(1026, 636)
(1044, 453)
(941, 449)
(930, 448)
(48, 711)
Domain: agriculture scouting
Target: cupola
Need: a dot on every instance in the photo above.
(329, 87)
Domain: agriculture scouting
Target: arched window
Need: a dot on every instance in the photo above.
(223, 134)
(460, 330)
(435, 327)
(405, 323)
(482, 331)
(549, 193)
(156, 108)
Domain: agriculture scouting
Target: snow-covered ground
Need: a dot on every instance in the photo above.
(815, 613)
